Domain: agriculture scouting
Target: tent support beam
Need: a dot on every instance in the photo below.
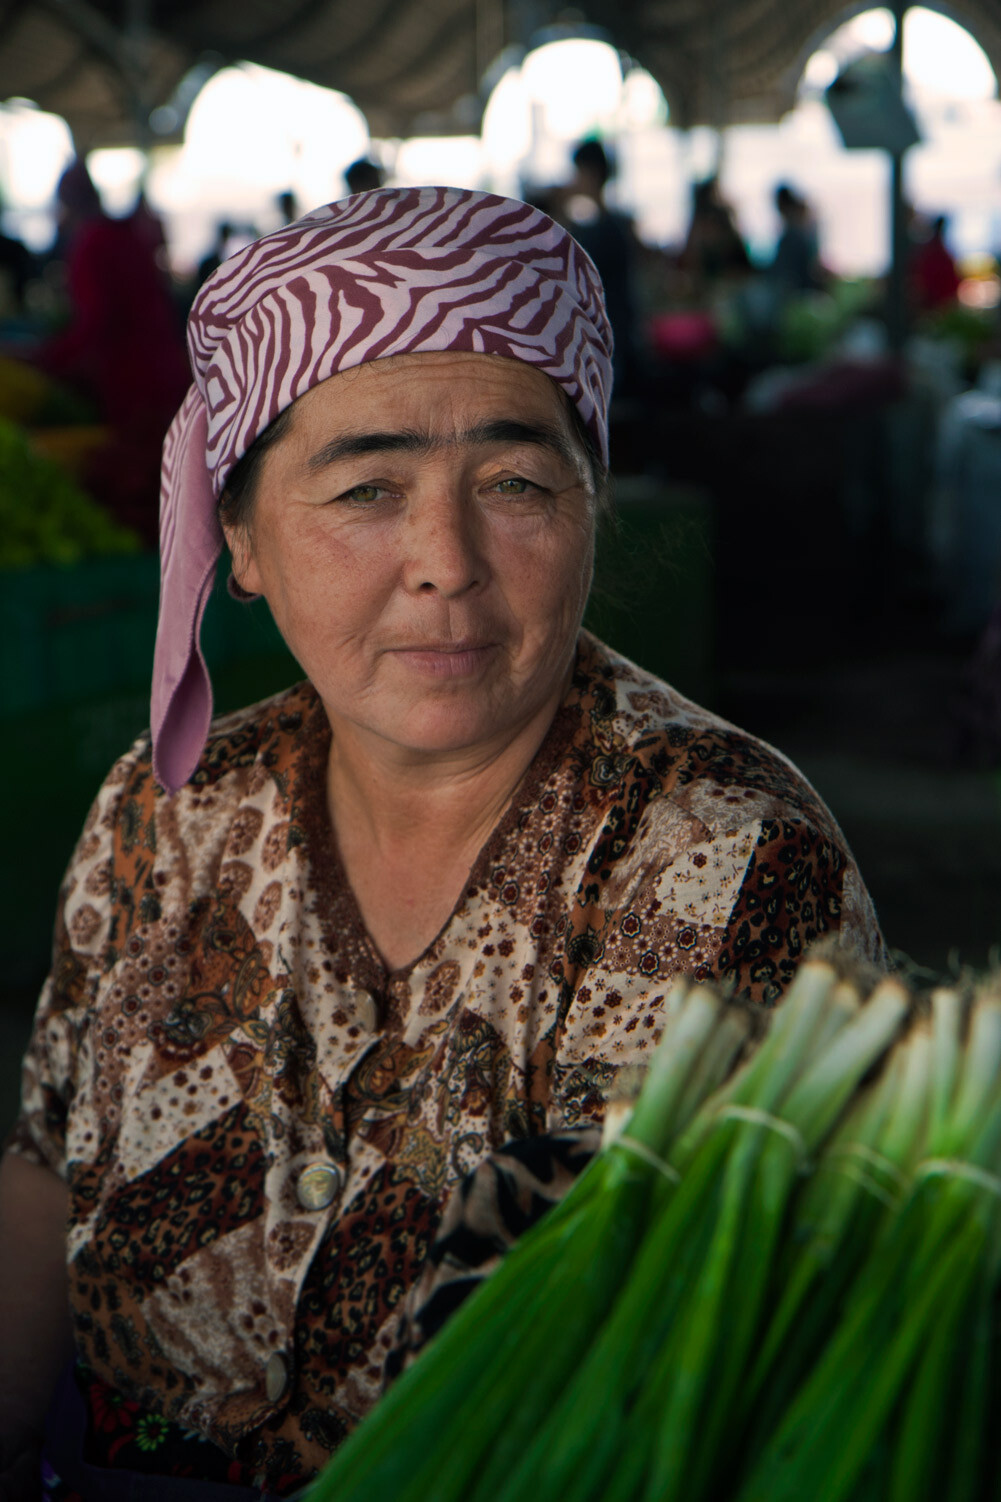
(126, 50)
(896, 291)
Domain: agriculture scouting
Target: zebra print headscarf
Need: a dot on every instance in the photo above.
(395, 271)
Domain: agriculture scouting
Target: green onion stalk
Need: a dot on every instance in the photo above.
(844, 1206)
(653, 1352)
(690, 1393)
(902, 1382)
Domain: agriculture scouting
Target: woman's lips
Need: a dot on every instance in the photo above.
(446, 660)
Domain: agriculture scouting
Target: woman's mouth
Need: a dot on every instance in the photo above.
(446, 659)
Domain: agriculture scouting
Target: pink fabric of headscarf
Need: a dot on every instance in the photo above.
(395, 271)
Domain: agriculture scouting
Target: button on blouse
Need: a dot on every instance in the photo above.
(318, 1185)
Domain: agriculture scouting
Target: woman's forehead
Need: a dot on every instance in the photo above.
(439, 377)
(422, 405)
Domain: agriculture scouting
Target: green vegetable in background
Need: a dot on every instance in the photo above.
(44, 515)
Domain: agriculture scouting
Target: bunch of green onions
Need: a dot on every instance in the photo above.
(777, 1282)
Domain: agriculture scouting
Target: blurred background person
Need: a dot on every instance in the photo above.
(714, 248)
(122, 346)
(18, 268)
(220, 248)
(363, 175)
(287, 206)
(932, 272)
(610, 240)
(796, 266)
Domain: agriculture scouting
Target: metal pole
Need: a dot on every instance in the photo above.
(896, 292)
(138, 45)
(525, 18)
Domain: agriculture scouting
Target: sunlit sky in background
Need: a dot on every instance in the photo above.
(253, 133)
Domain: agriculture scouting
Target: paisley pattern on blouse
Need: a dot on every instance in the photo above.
(260, 1127)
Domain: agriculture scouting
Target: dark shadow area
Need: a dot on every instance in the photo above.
(879, 735)
(834, 638)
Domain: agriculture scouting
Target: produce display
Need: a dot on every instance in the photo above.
(44, 515)
(777, 1281)
(29, 396)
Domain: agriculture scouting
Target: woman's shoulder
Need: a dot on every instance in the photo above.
(721, 855)
(722, 776)
(242, 747)
(261, 741)
(142, 851)
(246, 751)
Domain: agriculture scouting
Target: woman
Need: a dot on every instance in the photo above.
(316, 962)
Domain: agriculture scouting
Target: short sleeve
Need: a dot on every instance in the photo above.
(800, 885)
(739, 907)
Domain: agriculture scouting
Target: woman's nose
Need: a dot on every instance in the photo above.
(443, 546)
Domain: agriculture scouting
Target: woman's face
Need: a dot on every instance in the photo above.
(423, 534)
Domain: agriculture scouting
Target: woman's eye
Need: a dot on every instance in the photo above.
(362, 495)
(515, 485)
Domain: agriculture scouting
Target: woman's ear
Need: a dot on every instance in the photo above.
(245, 578)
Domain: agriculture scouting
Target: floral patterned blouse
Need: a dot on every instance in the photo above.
(260, 1126)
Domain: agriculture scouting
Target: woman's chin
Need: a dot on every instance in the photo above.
(440, 725)
(442, 732)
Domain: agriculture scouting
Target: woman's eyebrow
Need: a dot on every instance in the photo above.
(414, 441)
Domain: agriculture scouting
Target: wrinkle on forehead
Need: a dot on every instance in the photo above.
(432, 403)
(411, 440)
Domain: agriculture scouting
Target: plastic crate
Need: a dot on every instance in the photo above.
(654, 593)
(76, 648)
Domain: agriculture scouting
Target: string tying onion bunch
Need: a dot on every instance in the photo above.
(777, 1280)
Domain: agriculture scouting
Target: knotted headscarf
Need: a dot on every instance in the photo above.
(395, 271)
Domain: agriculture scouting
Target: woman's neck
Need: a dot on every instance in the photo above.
(397, 798)
(409, 828)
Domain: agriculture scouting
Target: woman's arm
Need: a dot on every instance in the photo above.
(36, 1341)
(35, 1333)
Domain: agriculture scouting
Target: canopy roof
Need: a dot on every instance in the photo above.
(413, 66)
